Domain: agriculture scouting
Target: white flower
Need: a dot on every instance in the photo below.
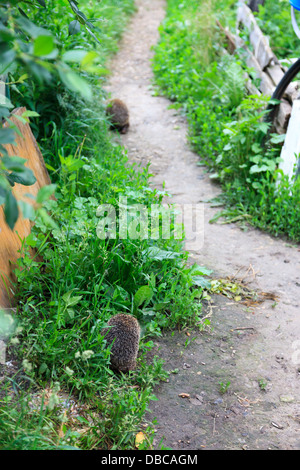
(69, 371)
(87, 354)
(27, 365)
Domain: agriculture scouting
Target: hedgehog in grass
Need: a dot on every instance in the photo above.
(123, 334)
(118, 115)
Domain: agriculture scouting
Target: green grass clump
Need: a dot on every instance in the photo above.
(226, 125)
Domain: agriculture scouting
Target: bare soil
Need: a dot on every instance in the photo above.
(256, 347)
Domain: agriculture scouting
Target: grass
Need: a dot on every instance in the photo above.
(76, 281)
(226, 126)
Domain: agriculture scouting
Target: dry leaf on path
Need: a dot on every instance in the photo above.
(139, 438)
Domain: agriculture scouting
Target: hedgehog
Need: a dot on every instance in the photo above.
(123, 334)
(118, 115)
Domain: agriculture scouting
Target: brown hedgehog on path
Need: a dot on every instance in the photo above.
(118, 115)
(123, 332)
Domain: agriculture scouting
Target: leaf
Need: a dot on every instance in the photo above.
(256, 148)
(11, 210)
(73, 164)
(43, 45)
(7, 136)
(259, 169)
(197, 270)
(29, 113)
(184, 395)
(49, 167)
(139, 438)
(160, 306)
(31, 241)
(7, 58)
(92, 34)
(68, 299)
(201, 281)
(6, 102)
(143, 294)
(81, 17)
(46, 219)
(263, 126)
(13, 163)
(74, 82)
(70, 313)
(89, 58)
(74, 300)
(44, 193)
(74, 55)
(277, 138)
(74, 27)
(4, 112)
(42, 369)
(27, 210)
(30, 28)
(3, 193)
(156, 253)
(74, 4)
(25, 177)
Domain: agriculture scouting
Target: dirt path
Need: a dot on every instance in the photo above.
(246, 344)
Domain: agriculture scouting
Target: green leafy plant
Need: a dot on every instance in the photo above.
(275, 21)
(262, 384)
(30, 50)
(223, 387)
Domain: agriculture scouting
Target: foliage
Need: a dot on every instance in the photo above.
(274, 18)
(28, 49)
(226, 126)
(65, 300)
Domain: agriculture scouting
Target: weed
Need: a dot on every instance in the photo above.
(223, 387)
(262, 384)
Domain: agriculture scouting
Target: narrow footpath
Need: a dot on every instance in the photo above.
(250, 353)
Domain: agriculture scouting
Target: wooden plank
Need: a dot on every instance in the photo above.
(11, 241)
(283, 117)
(262, 51)
(275, 73)
(291, 146)
(292, 92)
(230, 38)
(266, 85)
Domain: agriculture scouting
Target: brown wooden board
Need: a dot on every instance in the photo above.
(11, 241)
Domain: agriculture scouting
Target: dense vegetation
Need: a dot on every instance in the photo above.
(274, 18)
(226, 125)
(68, 292)
(78, 281)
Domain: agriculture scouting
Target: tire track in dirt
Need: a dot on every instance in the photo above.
(245, 344)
